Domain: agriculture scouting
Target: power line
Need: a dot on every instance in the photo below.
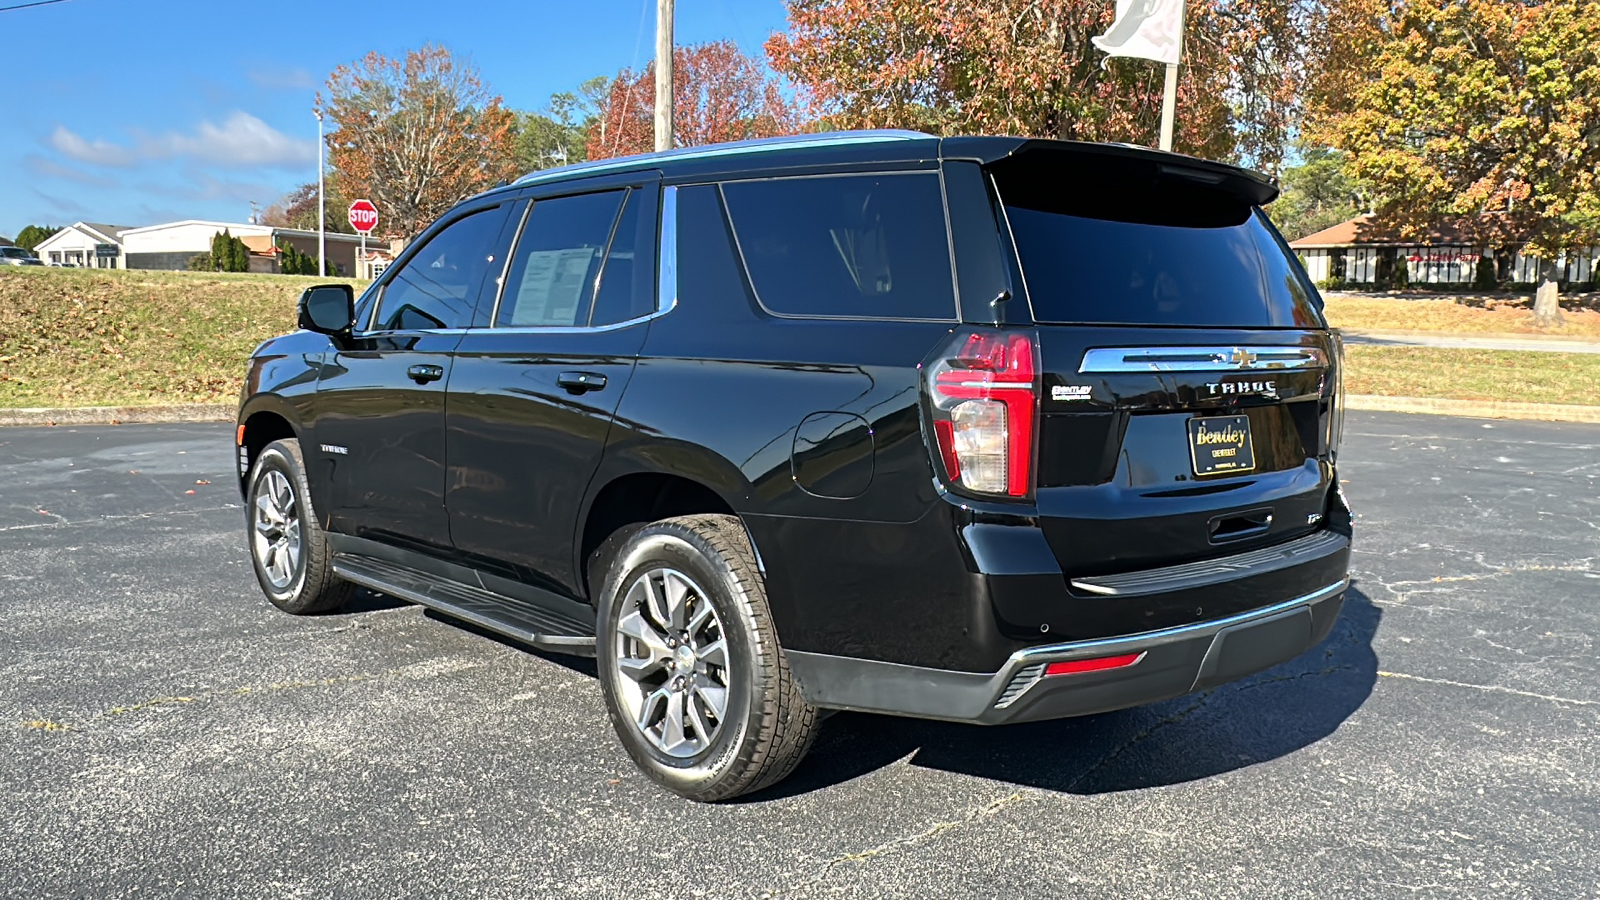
(28, 5)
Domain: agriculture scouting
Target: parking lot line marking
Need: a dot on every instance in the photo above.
(1493, 688)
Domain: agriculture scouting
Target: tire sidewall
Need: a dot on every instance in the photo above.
(273, 458)
(669, 545)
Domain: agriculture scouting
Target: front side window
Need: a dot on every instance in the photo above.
(557, 261)
(859, 246)
(438, 286)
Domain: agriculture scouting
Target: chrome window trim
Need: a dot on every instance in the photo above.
(667, 252)
(1242, 358)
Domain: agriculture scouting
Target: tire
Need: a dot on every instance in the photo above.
(288, 548)
(766, 726)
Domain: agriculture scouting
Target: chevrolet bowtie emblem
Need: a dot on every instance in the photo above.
(1242, 358)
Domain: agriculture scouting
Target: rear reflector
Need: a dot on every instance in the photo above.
(1098, 664)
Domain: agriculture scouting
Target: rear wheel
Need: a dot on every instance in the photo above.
(695, 682)
(288, 548)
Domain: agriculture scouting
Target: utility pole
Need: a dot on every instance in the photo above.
(1169, 93)
(322, 204)
(663, 75)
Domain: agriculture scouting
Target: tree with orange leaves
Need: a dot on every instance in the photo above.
(415, 135)
(718, 94)
(1026, 67)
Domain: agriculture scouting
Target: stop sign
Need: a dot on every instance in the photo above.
(363, 216)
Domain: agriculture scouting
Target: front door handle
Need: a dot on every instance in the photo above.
(425, 373)
(578, 382)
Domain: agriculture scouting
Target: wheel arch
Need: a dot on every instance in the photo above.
(639, 495)
(263, 419)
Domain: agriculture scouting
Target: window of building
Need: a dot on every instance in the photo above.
(870, 246)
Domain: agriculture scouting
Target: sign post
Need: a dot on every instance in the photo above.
(363, 218)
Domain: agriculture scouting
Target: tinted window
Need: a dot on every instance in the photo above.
(556, 260)
(438, 287)
(626, 280)
(1153, 258)
(848, 245)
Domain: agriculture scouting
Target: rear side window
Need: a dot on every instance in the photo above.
(557, 259)
(1151, 254)
(859, 246)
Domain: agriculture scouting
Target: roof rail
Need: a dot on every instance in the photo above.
(759, 145)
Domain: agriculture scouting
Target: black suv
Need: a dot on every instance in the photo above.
(975, 428)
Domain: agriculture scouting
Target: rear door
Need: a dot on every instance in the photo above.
(532, 395)
(1185, 390)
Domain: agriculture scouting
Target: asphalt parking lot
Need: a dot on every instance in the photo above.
(165, 732)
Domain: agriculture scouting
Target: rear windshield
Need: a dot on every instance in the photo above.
(1159, 252)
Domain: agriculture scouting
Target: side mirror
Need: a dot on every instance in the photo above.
(328, 308)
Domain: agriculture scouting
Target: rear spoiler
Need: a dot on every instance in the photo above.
(1127, 160)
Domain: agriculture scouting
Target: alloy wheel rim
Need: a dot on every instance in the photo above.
(671, 663)
(276, 536)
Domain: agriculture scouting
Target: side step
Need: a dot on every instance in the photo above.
(508, 616)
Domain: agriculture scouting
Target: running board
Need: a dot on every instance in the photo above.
(516, 619)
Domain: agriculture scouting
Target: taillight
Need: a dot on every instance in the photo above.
(985, 395)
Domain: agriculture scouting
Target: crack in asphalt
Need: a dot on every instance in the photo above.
(416, 671)
(99, 520)
(1490, 688)
(975, 814)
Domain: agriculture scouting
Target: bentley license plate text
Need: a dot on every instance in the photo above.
(1221, 444)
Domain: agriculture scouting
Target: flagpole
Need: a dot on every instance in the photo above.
(1169, 94)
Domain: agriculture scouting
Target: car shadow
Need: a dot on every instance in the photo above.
(1259, 718)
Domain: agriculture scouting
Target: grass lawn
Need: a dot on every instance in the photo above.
(97, 337)
(1474, 374)
(88, 337)
(1499, 316)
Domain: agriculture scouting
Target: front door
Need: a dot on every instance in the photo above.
(379, 424)
(532, 395)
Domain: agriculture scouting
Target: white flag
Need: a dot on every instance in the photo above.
(1149, 29)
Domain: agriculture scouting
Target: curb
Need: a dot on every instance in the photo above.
(119, 415)
(210, 412)
(1479, 409)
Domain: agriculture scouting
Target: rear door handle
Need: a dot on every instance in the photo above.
(579, 382)
(425, 373)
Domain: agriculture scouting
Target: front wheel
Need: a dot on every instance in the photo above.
(287, 546)
(696, 685)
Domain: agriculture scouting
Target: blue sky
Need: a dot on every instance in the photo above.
(135, 112)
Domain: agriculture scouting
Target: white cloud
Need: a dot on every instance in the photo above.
(100, 153)
(48, 168)
(241, 141)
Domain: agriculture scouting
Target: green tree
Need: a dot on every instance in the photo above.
(1316, 193)
(228, 253)
(1484, 111)
(32, 236)
(557, 134)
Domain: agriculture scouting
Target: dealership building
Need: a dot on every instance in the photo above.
(1358, 252)
(172, 245)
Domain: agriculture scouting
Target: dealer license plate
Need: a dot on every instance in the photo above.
(1220, 444)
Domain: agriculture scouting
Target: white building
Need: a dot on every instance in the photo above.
(172, 245)
(90, 244)
(1357, 252)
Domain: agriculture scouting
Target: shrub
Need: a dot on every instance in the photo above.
(1483, 279)
(202, 262)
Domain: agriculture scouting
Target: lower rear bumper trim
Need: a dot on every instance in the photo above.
(1177, 661)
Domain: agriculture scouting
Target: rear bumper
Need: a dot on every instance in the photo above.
(1174, 661)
